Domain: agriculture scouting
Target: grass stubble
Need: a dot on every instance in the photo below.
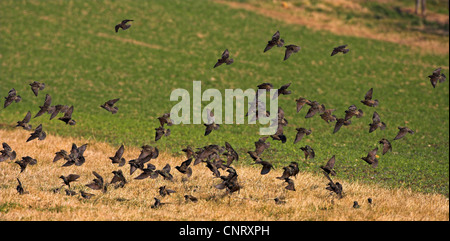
(310, 201)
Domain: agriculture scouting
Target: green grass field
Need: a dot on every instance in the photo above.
(71, 46)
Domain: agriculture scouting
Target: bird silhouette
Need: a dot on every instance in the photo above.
(386, 145)
(225, 59)
(109, 106)
(45, 108)
(98, 183)
(20, 189)
(301, 132)
(291, 49)
(185, 168)
(376, 123)
(275, 41)
(328, 168)
(436, 77)
(37, 134)
(123, 25)
(67, 118)
(24, 123)
(36, 86)
(118, 157)
(7, 153)
(69, 178)
(368, 99)
(402, 132)
(12, 97)
(371, 158)
(340, 49)
(308, 151)
(25, 161)
(301, 102)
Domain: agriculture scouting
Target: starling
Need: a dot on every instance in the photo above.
(368, 99)
(327, 116)
(7, 153)
(371, 158)
(301, 102)
(225, 59)
(70, 192)
(261, 145)
(340, 49)
(163, 191)
(97, 183)
(185, 168)
(67, 118)
(12, 97)
(279, 201)
(109, 106)
(376, 123)
(290, 49)
(24, 123)
(231, 154)
(309, 152)
(157, 203)
(160, 132)
(36, 86)
(118, 157)
(290, 186)
(86, 195)
(165, 119)
(334, 187)
(265, 86)
(328, 168)
(283, 90)
(386, 145)
(266, 166)
(38, 133)
(45, 107)
(189, 152)
(301, 132)
(402, 132)
(20, 189)
(437, 76)
(25, 162)
(353, 111)
(315, 108)
(123, 25)
(55, 110)
(355, 204)
(147, 172)
(165, 173)
(275, 41)
(70, 178)
(190, 198)
(118, 177)
(339, 123)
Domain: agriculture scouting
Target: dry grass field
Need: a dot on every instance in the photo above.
(255, 201)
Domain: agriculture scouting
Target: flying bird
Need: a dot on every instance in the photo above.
(45, 108)
(353, 111)
(301, 102)
(165, 119)
(25, 162)
(118, 177)
(340, 49)
(436, 77)
(308, 151)
(69, 178)
(386, 145)
(165, 172)
(185, 168)
(266, 166)
(97, 183)
(86, 195)
(371, 158)
(24, 123)
(36, 86)
(376, 123)
(402, 132)
(38, 133)
(224, 59)
(261, 145)
(147, 172)
(191, 198)
(316, 107)
(118, 157)
(12, 97)
(20, 189)
(211, 125)
(283, 90)
(123, 25)
(275, 41)
(327, 116)
(291, 185)
(7, 153)
(109, 106)
(67, 118)
(339, 123)
(231, 154)
(163, 191)
(160, 132)
(55, 110)
(334, 187)
(291, 49)
(328, 168)
(368, 99)
(301, 132)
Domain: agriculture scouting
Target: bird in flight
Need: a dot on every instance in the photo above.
(123, 25)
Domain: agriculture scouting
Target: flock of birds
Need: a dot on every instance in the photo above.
(216, 158)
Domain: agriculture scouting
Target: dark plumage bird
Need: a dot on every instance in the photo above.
(165, 173)
(55, 110)
(279, 201)
(279, 134)
(353, 111)
(386, 145)
(339, 123)
(36, 86)
(376, 123)
(109, 106)
(265, 86)
(371, 158)
(266, 166)
(327, 116)
(24, 123)
(165, 119)
(160, 132)
(118, 157)
(62, 154)
(291, 49)
(118, 178)
(230, 182)
(45, 108)
(190, 198)
(70, 192)
(261, 145)
(369, 200)
(225, 59)
(12, 97)
(38, 133)
(436, 77)
(20, 189)
(69, 178)
(368, 99)
(315, 108)
(283, 91)
(98, 183)
(328, 168)
(231, 154)
(211, 125)
(75, 157)
(185, 168)
(157, 203)
(356, 205)
(308, 151)
(163, 191)
(275, 41)
(189, 152)
(291, 170)
(67, 118)
(291, 185)
(402, 132)
(340, 49)
(334, 187)
(301, 102)
(148, 172)
(7, 153)
(25, 162)
(86, 195)
(213, 168)
(301, 132)
(123, 25)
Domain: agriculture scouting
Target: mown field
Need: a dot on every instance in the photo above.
(71, 46)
